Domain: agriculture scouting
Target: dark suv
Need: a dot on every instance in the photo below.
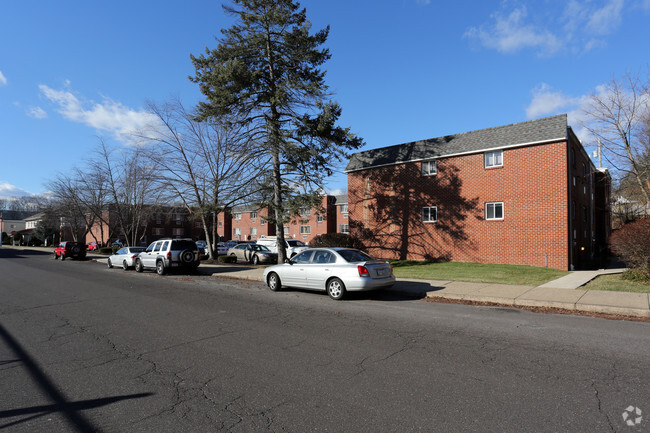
(76, 250)
(165, 254)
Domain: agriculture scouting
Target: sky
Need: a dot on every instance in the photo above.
(75, 72)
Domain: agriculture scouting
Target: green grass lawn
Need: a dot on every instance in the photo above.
(476, 272)
(616, 284)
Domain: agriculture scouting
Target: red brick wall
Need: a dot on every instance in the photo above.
(249, 221)
(326, 225)
(385, 206)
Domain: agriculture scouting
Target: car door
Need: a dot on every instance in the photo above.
(320, 269)
(294, 274)
(148, 258)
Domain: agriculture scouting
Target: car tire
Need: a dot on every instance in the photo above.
(138, 266)
(160, 267)
(109, 263)
(124, 265)
(235, 258)
(335, 289)
(62, 256)
(56, 256)
(256, 260)
(274, 282)
(187, 256)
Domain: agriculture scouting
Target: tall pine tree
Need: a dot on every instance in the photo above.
(266, 73)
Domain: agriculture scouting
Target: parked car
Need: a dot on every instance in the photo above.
(203, 246)
(222, 249)
(92, 246)
(67, 249)
(125, 257)
(292, 246)
(165, 254)
(253, 253)
(117, 243)
(335, 270)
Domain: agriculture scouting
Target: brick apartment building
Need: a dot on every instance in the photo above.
(250, 222)
(525, 194)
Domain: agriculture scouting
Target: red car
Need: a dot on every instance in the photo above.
(76, 250)
(92, 246)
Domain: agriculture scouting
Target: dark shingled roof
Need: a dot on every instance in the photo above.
(532, 131)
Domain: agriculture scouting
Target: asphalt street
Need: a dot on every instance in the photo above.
(87, 348)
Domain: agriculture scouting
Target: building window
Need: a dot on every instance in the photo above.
(262, 222)
(305, 230)
(429, 168)
(254, 231)
(178, 232)
(236, 231)
(157, 231)
(430, 214)
(236, 216)
(253, 215)
(494, 211)
(198, 224)
(345, 228)
(178, 217)
(319, 219)
(494, 159)
(220, 223)
(344, 208)
(305, 211)
(286, 230)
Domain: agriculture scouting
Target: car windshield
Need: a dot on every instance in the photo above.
(183, 245)
(260, 248)
(353, 256)
(293, 243)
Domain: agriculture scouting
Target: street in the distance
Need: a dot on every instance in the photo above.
(87, 348)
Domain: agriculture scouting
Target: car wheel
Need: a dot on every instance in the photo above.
(109, 263)
(160, 267)
(274, 282)
(138, 266)
(56, 256)
(235, 258)
(256, 260)
(187, 256)
(124, 265)
(336, 289)
(62, 256)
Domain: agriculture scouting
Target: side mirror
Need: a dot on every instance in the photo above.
(288, 261)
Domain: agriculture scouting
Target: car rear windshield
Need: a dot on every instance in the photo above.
(293, 243)
(183, 245)
(353, 256)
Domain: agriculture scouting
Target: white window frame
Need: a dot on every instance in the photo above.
(494, 159)
(345, 228)
(344, 208)
(236, 216)
(236, 231)
(319, 218)
(426, 214)
(430, 168)
(493, 205)
(305, 211)
(254, 231)
(253, 215)
(305, 230)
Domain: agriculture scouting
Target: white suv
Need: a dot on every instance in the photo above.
(292, 246)
(165, 254)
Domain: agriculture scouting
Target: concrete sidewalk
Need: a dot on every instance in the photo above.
(561, 293)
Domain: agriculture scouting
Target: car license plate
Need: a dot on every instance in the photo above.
(381, 272)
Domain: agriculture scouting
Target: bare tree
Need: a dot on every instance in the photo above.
(207, 166)
(134, 196)
(619, 117)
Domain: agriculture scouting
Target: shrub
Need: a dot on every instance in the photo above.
(105, 250)
(632, 244)
(337, 240)
(637, 275)
(226, 259)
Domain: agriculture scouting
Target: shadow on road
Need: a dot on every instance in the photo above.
(60, 403)
(14, 253)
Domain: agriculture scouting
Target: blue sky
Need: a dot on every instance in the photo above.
(402, 70)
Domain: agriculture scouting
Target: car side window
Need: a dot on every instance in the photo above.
(150, 248)
(323, 257)
(121, 251)
(156, 247)
(303, 258)
(164, 246)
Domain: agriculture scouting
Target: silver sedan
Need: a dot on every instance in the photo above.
(125, 257)
(335, 270)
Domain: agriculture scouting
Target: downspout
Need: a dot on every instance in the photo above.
(571, 210)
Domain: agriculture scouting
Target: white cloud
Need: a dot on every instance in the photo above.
(509, 34)
(109, 115)
(8, 190)
(605, 20)
(577, 25)
(36, 113)
(3, 79)
(546, 101)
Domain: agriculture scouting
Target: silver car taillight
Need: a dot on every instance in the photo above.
(363, 271)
